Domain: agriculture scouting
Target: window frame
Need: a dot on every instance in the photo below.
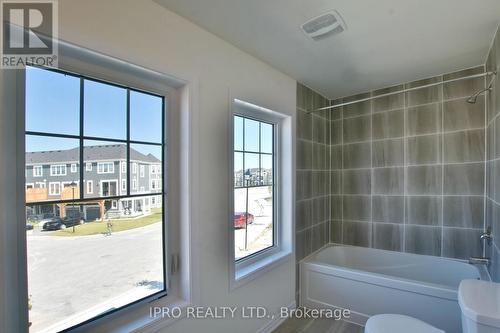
(101, 168)
(166, 93)
(51, 192)
(38, 167)
(59, 167)
(252, 266)
(73, 168)
(91, 184)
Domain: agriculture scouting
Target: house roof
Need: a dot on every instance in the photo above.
(90, 153)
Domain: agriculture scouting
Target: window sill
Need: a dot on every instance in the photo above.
(247, 273)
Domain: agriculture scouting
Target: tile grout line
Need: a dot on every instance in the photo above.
(441, 159)
(405, 173)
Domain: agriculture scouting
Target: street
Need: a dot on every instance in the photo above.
(72, 279)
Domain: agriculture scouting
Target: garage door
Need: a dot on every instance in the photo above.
(92, 213)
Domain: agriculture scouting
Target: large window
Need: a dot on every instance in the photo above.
(98, 247)
(254, 209)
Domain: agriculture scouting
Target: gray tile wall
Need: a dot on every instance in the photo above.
(493, 157)
(408, 170)
(314, 183)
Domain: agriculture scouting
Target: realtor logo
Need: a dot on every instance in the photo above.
(29, 31)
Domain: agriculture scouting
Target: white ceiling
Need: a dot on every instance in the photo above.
(386, 42)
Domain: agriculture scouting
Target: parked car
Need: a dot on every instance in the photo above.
(57, 223)
(239, 219)
(29, 226)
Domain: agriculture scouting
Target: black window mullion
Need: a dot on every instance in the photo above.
(82, 183)
(128, 142)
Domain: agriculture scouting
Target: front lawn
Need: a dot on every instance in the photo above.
(100, 227)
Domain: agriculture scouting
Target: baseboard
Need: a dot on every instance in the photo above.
(274, 323)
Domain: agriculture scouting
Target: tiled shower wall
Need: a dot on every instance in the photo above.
(493, 165)
(408, 170)
(313, 173)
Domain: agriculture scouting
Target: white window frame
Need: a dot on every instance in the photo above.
(62, 170)
(134, 167)
(88, 166)
(39, 172)
(73, 167)
(183, 285)
(51, 190)
(142, 170)
(102, 170)
(124, 167)
(248, 268)
(134, 184)
(117, 189)
(124, 185)
(90, 185)
(41, 184)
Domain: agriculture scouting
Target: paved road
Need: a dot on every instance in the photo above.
(69, 276)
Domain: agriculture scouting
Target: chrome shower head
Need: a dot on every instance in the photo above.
(473, 98)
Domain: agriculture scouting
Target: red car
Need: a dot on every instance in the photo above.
(239, 220)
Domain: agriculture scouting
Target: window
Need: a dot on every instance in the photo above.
(90, 187)
(134, 184)
(41, 185)
(107, 167)
(261, 205)
(253, 186)
(37, 171)
(134, 167)
(54, 188)
(142, 170)
(86, 135)
(58, 170)
(30, 186)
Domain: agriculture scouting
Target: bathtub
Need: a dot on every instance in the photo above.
(370, 281)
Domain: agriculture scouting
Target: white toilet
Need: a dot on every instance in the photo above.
(478, 300)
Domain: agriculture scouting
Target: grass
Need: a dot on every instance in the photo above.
(100, 227)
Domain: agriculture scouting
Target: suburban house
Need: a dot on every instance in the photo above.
(54, 175)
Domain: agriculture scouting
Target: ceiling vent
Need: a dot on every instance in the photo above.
(325, 25)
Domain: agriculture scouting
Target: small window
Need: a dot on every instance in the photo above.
(30, 186)
(88, 166)
(124, 167)
(54, 188)
(37, 171)
(58, 170)
(73, 168)
(134, 184)
(105, 167)
(254, 209)
(141, 167)
(124, 185)
(90, 187)
(134, 167)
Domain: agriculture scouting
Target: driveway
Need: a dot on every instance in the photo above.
(75, 278)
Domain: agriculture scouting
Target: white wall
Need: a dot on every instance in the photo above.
(146, 34)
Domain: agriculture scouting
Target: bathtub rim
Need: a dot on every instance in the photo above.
(395, 282)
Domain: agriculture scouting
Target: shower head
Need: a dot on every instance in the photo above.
(473, 98)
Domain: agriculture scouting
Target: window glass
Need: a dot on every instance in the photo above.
(145, 117)
(57, 92)
(93, 256)
(253, 217)
(105, 110)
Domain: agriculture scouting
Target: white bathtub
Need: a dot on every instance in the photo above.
(370, 281)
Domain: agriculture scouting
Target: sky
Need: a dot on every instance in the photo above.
(246, 138)
(53, 106)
